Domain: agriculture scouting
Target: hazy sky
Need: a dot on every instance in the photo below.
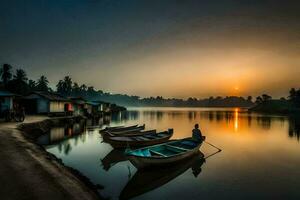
(176, 48)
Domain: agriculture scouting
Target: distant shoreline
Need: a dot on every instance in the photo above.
(164, 106)
(276, 107)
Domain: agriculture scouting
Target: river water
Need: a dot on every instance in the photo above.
(260, 157)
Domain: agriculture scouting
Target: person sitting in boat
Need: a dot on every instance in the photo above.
(197, 135)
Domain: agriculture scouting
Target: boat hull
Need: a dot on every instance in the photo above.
(141, 162)
(126, 130)
(106, 136)
(125, 144)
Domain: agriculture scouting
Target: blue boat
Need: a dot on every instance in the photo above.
(163, 154)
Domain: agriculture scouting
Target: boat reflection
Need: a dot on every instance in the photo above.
(146, 180)
(112, 158)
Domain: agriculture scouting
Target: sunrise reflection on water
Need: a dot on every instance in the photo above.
(259, 158)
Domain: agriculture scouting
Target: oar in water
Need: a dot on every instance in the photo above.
(213, 145)
(219, 150)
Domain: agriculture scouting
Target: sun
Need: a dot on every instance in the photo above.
(236, 88)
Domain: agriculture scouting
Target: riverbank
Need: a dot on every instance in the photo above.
(29, 172)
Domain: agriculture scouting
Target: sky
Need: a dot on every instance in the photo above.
(178, 48)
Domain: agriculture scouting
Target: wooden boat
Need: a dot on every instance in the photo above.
(118, 128)
(146, 180)
(125, 130)
(163, 154)
(108, 135)
(139, 141)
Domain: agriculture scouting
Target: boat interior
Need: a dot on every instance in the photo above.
(166, 150)
(150, 136)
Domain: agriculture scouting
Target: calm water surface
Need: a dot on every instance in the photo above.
(260, 157)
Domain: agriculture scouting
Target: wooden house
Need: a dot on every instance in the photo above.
(47, 103)
(92, 108)
(103, 107)
(79, 105)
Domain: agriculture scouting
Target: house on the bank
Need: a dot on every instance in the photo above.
(41, 102)
(6, 100)
(96, 108)
(92, 108)
(79, 105)
(103, 107)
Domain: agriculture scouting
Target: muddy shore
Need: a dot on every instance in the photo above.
(27, 171)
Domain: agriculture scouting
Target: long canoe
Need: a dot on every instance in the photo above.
(139, 141)
(146, 180)
(163, 154)
(118, 128)
(108, 135)
(123, 131)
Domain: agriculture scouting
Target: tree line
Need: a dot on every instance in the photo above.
(293, 98)
(18, 82)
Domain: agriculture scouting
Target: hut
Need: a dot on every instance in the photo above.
(103, 107)
(47, 103)
(79, 105)
(6, 101)
(92, 108)
(96, 108)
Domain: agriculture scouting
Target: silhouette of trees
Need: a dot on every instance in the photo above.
(263, 98)
(249, 98)
(64, 86)
(6, 73)
(20, 76)
(42, 84)
(83, 87)
(67, 85)
(294, 97)
(19, 83)
(32, 85)
(258, 100)
(293, 94)
(266, 97)
(76, 89)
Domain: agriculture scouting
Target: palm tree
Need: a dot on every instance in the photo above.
(83, 87)
(32, 84)
(60, 87)
(5, 73)
(68, 84)
(42, 83)
(20, 75)
(75, 88)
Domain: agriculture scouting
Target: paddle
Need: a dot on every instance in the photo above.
(219, 150)
(212, 145)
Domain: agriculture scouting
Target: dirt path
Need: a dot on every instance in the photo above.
(28, 119)
(28, 172)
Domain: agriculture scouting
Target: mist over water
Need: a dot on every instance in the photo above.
(259, 159)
